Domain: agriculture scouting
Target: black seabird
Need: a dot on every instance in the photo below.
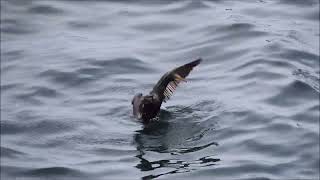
(147, 107)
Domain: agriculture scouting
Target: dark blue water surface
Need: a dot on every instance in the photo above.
(69, 69)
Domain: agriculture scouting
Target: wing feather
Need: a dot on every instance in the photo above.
(171, 87)
(170, 80)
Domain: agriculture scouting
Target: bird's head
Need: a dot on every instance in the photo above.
(136, 103)
(136, 99)
(141, 105)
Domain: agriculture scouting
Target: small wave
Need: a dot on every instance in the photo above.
(9, 87)
(302, 57)
(177, 7)
(12, 55)
(157, 27)
(313, 15)
(66, 78)
(17, 27)
(299, 3)
(292, 95)
(54, 171)
(312, 79)
(121, 65)
(241, 35)
(193, 149)
(235, 27)
(10, 153)
(37, 126)
(253, 172)
(84, 25)
(274, 150)
(254, 63)
(37, 92)
(44, 9)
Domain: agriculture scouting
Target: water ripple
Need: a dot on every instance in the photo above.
(54, 171)
(44, 9)
(313, 80)
(69, 69)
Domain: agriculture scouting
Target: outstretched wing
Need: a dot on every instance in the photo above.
(170, 80)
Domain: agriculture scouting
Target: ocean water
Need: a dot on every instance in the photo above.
(69, 69)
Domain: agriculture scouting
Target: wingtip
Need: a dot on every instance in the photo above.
(196, 62)
(199, 59)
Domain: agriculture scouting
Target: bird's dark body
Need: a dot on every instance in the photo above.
(148, 107)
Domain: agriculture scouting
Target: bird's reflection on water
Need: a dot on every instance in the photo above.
(175, 134)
